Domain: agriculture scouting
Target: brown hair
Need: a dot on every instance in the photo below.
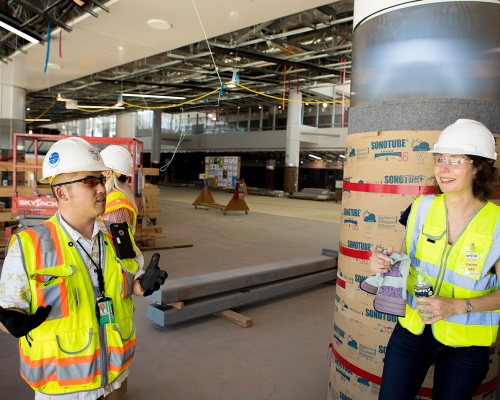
(485, 184)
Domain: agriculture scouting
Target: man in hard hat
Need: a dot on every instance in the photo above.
(66, 294)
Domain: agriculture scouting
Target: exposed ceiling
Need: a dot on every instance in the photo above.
(306, 50)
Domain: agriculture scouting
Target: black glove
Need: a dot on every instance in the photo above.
(20, 324)
(154, 277)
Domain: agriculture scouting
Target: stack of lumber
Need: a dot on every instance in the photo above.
(312, 194)
(150, 195)
(272, 193)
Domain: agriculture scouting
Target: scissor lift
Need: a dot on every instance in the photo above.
(35, 208)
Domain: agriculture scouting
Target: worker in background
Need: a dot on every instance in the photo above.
(454, 237)
(120, 202)
(65, 293)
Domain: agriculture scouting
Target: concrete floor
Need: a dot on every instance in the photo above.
(282, 356)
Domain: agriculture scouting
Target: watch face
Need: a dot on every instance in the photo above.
(468, 306)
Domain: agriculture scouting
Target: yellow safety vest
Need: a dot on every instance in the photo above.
(116, 200)
(427, 245)
(70, 351)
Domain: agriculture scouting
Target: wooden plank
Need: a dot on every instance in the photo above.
(178, 304)
(150, 248)
(151, 171)
(213, 205)
(6, 191)
(236, 205)
(6, 215)
(236, 318)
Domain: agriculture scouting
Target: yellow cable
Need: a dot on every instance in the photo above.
(199, 98)
(289, 100)
(94, 111)
(45, 112)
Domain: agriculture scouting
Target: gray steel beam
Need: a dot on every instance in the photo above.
(165, 315)
(192, 287)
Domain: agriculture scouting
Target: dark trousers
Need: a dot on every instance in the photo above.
(458, 370)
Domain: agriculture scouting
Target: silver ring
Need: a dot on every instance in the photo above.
(432, 315)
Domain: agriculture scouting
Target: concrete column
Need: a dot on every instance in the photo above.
(126, 125)
(249, 118)
(82, 127)
(270, 166)
(12, 103)
(156, 142)
(156, 139)
(293, 143)
(417, 68)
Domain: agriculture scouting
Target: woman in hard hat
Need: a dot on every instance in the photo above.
(455, 237)
(120, 202)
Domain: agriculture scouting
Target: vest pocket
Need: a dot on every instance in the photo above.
(125, 284)
(121, 345)
(76, 358)
(59, 293)
(430, 245)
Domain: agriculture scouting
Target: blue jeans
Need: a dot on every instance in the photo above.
(458, 370)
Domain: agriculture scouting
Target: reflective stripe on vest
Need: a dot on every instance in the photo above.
(427, 245)
(70, 352)
(116, 200)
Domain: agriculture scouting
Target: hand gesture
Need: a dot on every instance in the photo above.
(20, 324)
(379, 262)
(154, 277)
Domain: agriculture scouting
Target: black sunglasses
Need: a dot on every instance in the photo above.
(89, 181)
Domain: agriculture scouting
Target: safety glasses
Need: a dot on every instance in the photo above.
(89, 181)
(452, 162)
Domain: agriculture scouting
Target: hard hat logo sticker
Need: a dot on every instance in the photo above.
(54, 159)
(94, 154)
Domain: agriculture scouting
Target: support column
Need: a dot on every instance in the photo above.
(417, 68)
(12, 104)
(292, 143)
(156, 142)
(82, 127)
(270, 166)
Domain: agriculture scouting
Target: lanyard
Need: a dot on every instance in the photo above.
(98, 269)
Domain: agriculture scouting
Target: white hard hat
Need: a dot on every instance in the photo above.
(468, 137)
(70, 155)
(118, 159)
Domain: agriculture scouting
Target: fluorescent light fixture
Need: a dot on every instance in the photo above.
(152, 96)
(19, 33)
(315, 157)
(341, 155)
(37, 120)
(106, 107)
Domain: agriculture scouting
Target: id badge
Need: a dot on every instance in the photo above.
(471, 264)
(105, 313)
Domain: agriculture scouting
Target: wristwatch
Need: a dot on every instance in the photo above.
(468, 306)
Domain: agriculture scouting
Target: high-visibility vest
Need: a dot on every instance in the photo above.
(70, 351)
(116, 200)
(427, 245)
